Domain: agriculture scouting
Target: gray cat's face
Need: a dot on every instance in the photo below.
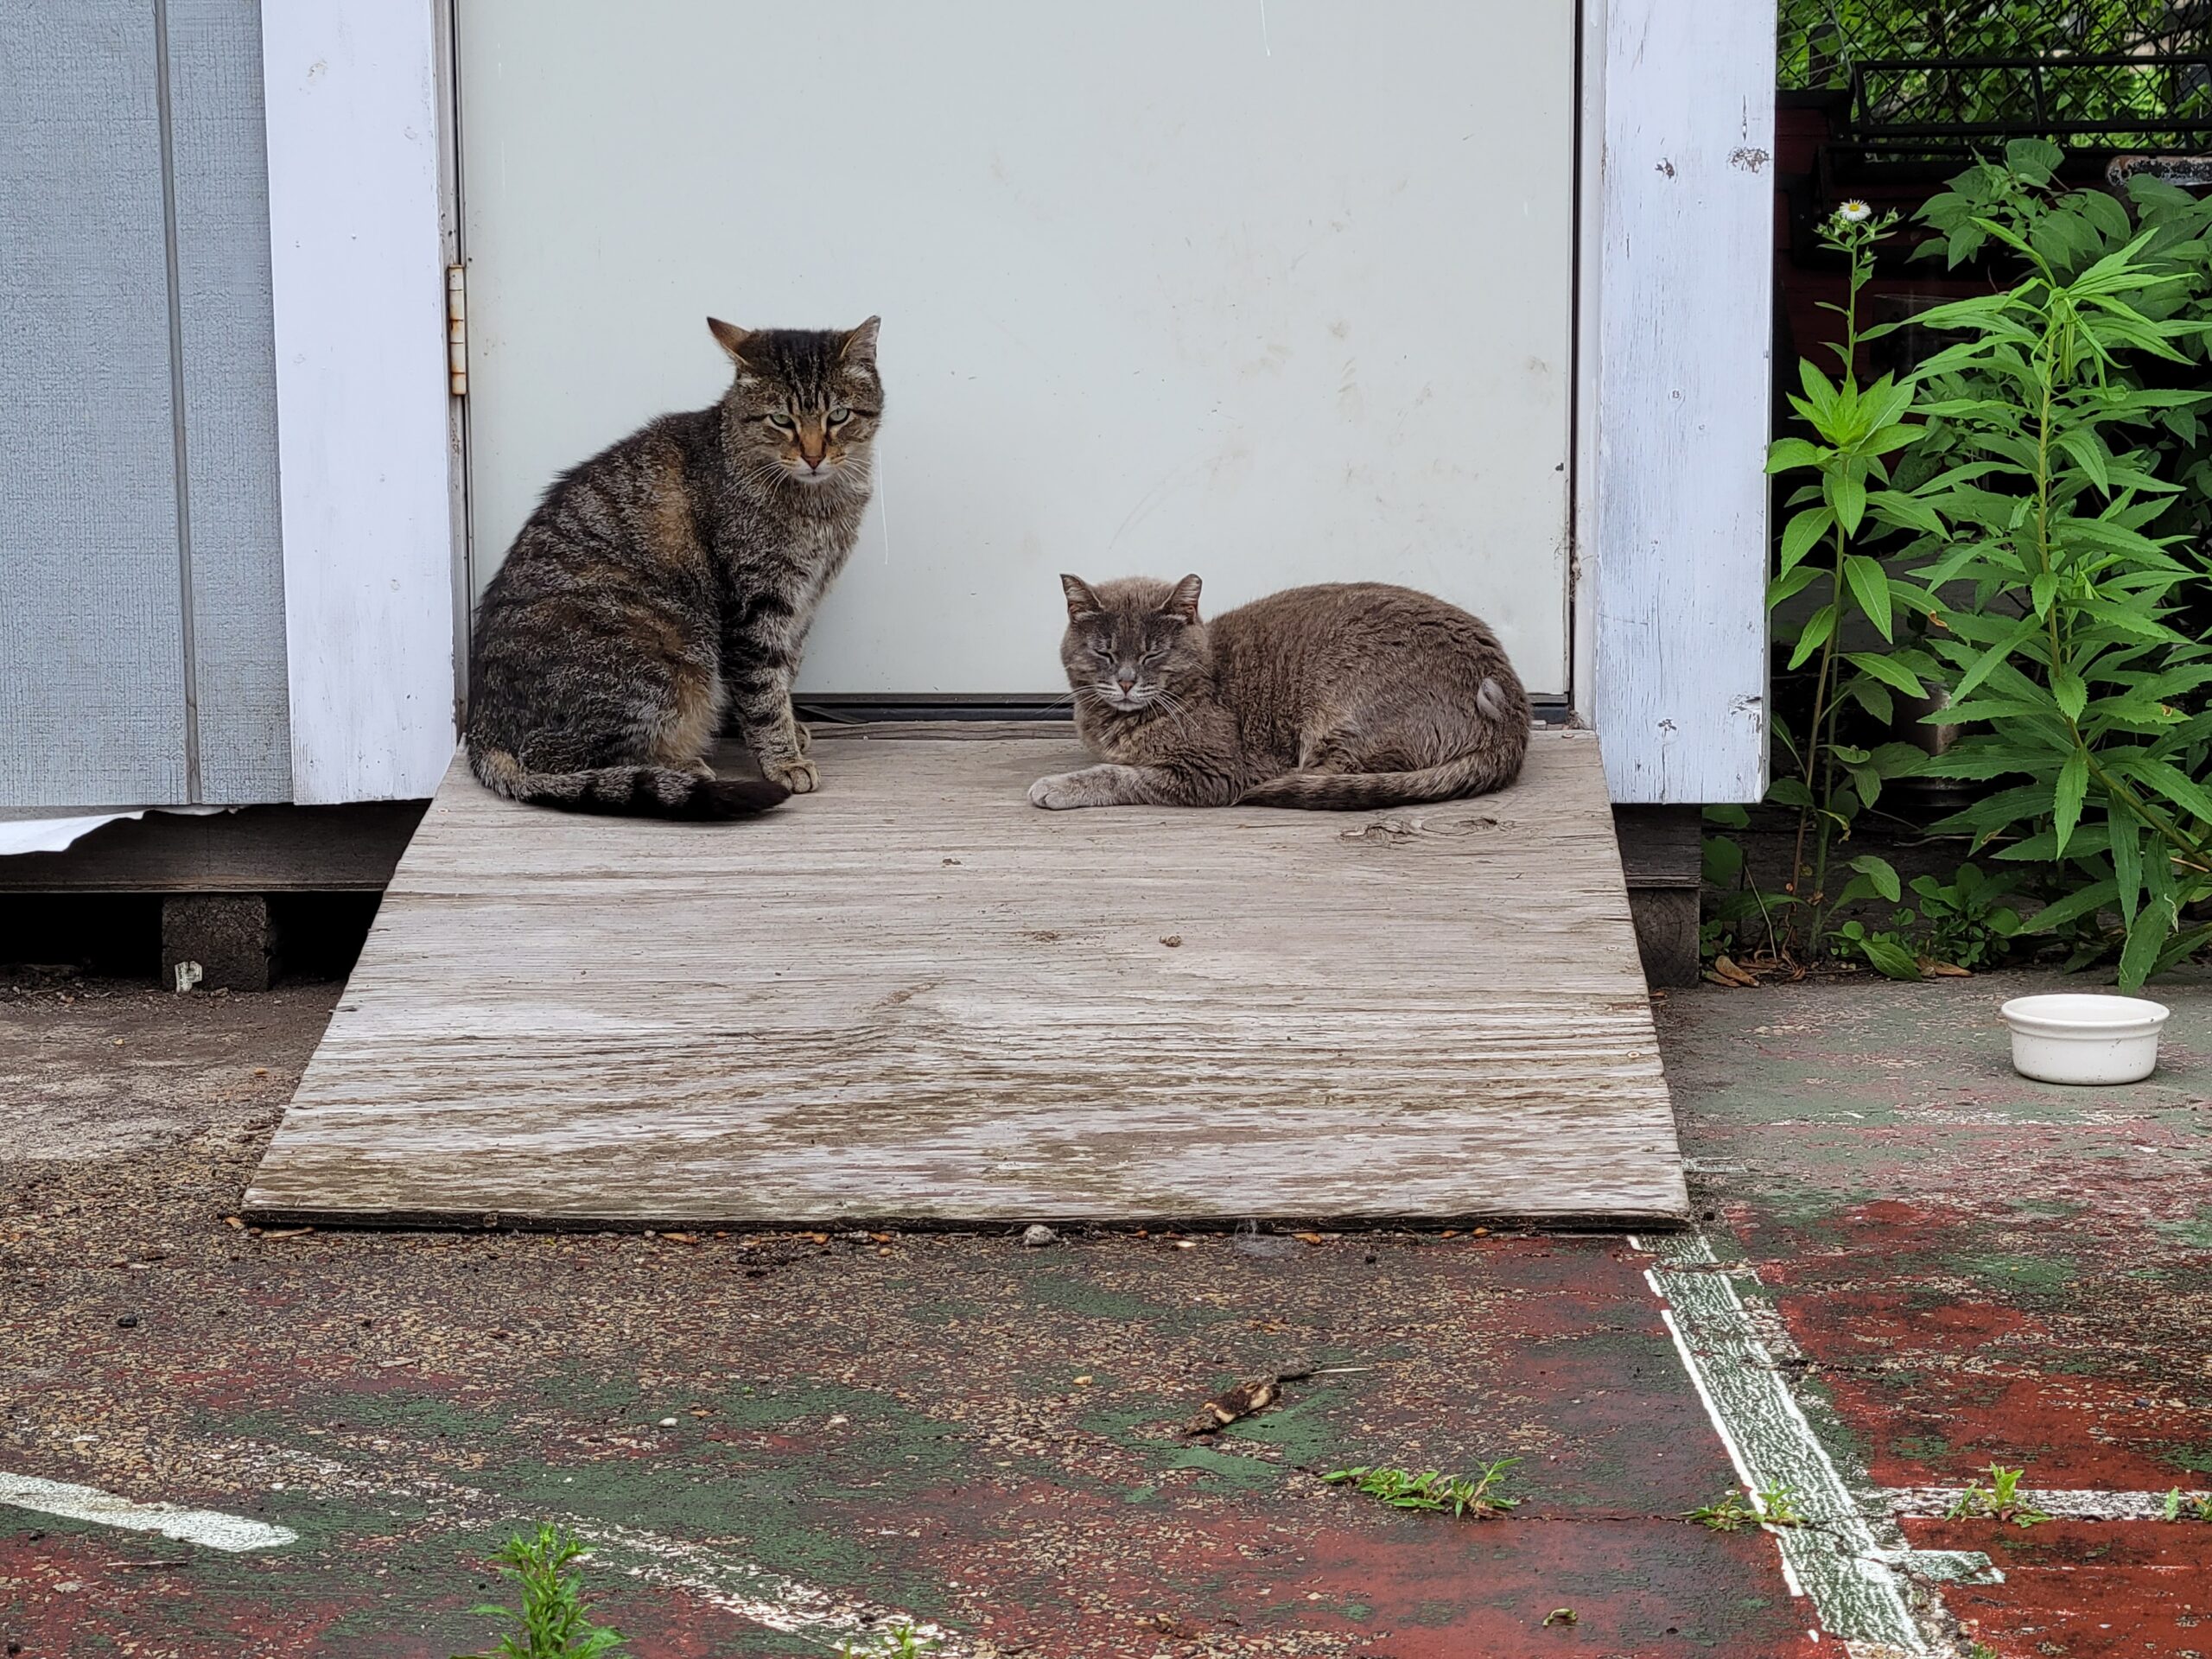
(806, 401)
(1130, 643)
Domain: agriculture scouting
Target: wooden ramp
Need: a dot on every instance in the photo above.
(914, 998)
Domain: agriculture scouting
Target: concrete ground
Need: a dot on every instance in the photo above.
(1910, 1264)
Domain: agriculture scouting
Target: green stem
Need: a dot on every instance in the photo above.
(2115, 789)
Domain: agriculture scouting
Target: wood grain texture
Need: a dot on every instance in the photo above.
(914, 998)
(229, 373)
(256, 849)
(1673, 556)
(92, 664)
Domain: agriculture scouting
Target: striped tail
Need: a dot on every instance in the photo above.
(1354, 792)
(636, 791)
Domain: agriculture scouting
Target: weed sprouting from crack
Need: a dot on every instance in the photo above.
(899, 1642)
(1402, 1490)
(1773, 1506)
(2001, 1500)
(555, 1622)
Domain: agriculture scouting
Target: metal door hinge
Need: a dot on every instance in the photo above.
(457, 330)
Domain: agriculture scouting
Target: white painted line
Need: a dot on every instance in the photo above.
(765, 1597)
(209, 1528)
(2063, 1503)
(1850, 1575)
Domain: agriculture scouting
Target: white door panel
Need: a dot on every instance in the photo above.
(1276, 292)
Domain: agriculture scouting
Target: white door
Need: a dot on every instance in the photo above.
(1273, 290)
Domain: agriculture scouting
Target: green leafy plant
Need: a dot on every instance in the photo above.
(554, 1620)
(1778, 1506)
(1730, 1513)
(2050, 608)
(899, 1642)
(1402, 1490)
(1960, 925)
(2001, 1500)
(2180, 1506)
(1774, 1506)
(1965, 921)
(1855, 429)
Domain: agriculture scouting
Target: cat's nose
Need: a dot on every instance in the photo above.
(1125, 681)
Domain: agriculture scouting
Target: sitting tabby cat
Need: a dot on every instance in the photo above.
(671, 578)
(1346, 696)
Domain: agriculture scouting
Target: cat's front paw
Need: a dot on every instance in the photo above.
(797, 775)
(1059, 793)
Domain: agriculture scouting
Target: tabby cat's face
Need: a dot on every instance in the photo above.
(1131, 643)
(805, 402)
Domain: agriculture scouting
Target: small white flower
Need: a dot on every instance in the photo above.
(1855, 212)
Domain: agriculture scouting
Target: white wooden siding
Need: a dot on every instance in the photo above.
(355, 103)
(1673, 561)
(1674, 284)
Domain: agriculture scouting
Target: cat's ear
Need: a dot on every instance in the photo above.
(1082, 601)
(1182, 600)
(860, 344)
(729, 337)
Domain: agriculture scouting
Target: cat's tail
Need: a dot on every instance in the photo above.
(637, 792)
(1355, 792)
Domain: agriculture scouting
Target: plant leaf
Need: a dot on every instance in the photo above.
(1888, 670)
(1784, 454)
(2125, 838)
(1799, 537)
(1889, 959)
(1880, 874)
(2073, 695)
(1870, 585)
(1818, 627)
(2066, 802)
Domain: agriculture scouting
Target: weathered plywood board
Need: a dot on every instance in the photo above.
(913, 998)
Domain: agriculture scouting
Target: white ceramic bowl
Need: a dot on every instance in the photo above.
(2077, 1038)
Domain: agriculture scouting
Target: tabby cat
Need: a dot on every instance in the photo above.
(668, 584)
(1346, 696)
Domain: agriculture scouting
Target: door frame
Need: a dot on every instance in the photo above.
(1673, 290)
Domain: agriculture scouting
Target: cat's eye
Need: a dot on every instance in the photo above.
(1103, 653)
(839, 415)
(781, 423)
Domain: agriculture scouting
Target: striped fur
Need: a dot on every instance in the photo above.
(1340, 697)
(661, 593)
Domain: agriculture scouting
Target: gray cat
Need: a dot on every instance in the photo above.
(667, 584)
(1346, 696)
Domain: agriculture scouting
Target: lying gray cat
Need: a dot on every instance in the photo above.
(1342, 696)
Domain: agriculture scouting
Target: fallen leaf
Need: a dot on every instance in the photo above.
(1171, 940)
(1937, 970)
(1726, 972)
(233, 1221)
(1232, 1404)
(288, 1232)
(1562, 1616)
